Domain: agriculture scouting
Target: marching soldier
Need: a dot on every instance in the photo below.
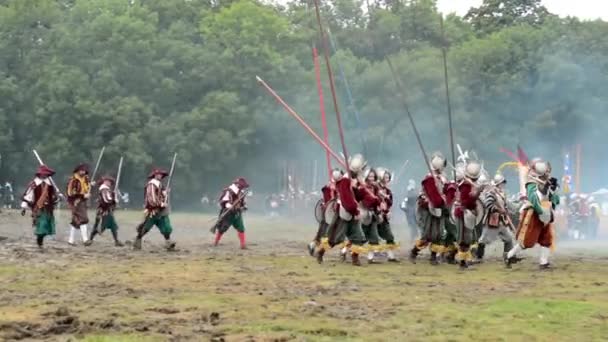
(384, 225)
(329, 195)
(467, 210)
(536, 223)
(368, 192)
(41, 197)
(78, 192)
(430, 210)
(497, 222)
(232, 205)
(106, 203)
(156, 210)
(347, 224)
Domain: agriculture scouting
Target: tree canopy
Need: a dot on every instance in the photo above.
(149, 78)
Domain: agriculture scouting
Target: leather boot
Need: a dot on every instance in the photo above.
(414, 254)
(355, 258)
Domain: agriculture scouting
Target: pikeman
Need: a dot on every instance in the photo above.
(370, 212)
(384, 225)
(497, 223)
(41, 197)
(537, 215)
(347, 224)
(467, 211)
(450, 191)
(232, 204)
(156, 209)
(78, 192)
(430, 210)
(329, 196)
(106, 203)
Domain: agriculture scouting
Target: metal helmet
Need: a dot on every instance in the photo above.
(540, 167)
(370, 171)
(472, 170)
(499, 179)
(383, 172)
(336, 174)
(438, 162)
(357, 163)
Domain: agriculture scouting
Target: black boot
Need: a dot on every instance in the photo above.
(464, 265)
(320, 254)
(414, 254)
(40, 241)
(434, 260)
(169, 245)
(117, 242)
(481, 251)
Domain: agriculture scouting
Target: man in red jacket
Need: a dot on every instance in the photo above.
(468, 212)
(430, 210)
(329, 199)
(348, 222)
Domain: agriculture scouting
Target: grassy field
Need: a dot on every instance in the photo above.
(275, 292)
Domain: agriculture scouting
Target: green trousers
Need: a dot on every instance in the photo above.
(161, 221)
(44, 224)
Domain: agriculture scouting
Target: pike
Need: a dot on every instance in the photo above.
(447, 92)
(301, 121)
(50, 178)
(332, 86)
(409, 114)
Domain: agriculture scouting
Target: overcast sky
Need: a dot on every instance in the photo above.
(584, 9)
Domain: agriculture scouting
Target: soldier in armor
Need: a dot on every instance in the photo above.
(156, 210)
(370, 201)
(232, 204)
(41, 197)
(386, 203)
(329, 199)
(497, 222)
(467, 212)
(536, 224)
(78, 193)
(450, 191)
(430, 210)
(106, 203)
(347, 223)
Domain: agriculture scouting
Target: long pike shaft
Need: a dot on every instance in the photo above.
(409, 115)
(315, 58)
(118, 175)
(300, 120)
(331, 79)
(447, 93)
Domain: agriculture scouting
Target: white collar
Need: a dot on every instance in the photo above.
(234, 188)
(39, 181)
(104, 186)
(156, 182)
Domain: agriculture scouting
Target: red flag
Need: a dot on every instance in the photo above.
(522, 156)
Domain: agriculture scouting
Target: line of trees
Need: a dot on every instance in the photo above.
(147, 78)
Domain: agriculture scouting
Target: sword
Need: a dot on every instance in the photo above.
(61, 196)
(117, 180)
(98, 162)
(170, 177)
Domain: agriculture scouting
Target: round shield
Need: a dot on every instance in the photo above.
(330, 212)
(319, 211)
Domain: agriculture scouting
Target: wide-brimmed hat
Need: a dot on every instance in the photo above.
(44, 171)
(158, 171)
(241, 183)
(82, 167)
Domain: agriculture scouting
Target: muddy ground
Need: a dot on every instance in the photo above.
(275, 292)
